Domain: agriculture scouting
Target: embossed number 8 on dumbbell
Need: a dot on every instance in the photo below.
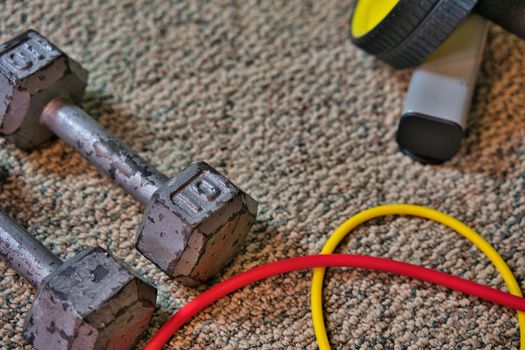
(194, 223)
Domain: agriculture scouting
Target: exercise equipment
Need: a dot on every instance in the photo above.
(194, 223)
(315, 261)
(404, 32)
(411, 210)
(439, 96)
(92, 301)
(447, 43)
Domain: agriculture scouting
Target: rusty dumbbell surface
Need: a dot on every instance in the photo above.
(92, 301)
(194, 223)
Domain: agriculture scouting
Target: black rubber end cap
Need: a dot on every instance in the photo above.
(428, 140)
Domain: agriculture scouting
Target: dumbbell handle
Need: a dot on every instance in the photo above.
(24, 253)
(133, 173)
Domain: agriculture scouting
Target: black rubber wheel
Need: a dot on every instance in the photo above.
(413, 29)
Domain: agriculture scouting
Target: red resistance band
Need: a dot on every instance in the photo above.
(336, 260)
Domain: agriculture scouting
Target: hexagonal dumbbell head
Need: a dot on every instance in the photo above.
(92, 301)
(195, 224)
(32, 73)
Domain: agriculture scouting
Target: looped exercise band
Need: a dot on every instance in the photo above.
(410, 210)
(305, 262)
(232, 284)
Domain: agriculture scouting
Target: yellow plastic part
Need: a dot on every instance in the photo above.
(368, 14)
(412, 210)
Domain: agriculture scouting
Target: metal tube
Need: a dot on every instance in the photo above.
(440, 94)
(134, 174)
(24, 253)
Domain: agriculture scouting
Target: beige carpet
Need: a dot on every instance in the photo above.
(274, 95)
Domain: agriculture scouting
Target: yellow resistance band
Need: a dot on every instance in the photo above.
(412, 210)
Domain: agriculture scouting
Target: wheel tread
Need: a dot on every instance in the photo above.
(413, 29)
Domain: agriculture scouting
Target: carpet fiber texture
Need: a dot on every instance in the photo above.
(274, 96)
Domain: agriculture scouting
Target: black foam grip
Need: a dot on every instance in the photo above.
(509, 14)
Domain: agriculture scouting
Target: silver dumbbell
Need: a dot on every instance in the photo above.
(92, 301)
(194, 223)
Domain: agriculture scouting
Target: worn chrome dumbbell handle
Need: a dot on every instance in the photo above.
(125, 167)
(25, 254)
